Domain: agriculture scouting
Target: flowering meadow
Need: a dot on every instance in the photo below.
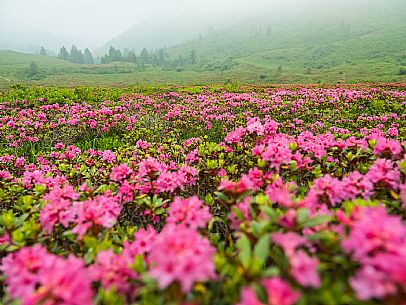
(203, 195)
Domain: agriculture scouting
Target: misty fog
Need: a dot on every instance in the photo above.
(93, 23)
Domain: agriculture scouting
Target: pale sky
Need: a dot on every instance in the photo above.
(96, 21)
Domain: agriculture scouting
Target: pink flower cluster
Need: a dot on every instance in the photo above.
(181, 254)
(157, 177)
(278, 292)
(112, 270)
(303, 267)
(377, 241)
(102, 211)
(190, 212)
(252, 181)
(37, 277)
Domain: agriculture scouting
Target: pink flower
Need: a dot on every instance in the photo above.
(63, 282)
(108, 156)
(244, 208)
(112, 270)
(188, 175)
(289, 241)
(235, 136)
(101, 211)
(150, 167)
(383, 171)
(387, 147)
(58, 209)
(328, 190)
(239, 187)
(37, 277)
(126, 191)
(21, 270)
(378, 242)
(256, 177)
(393, 132)
(277, 152)
(192, 157)
(271, 127)
(278, 192)
(254, 126)
(375, 230)
(370, 282)
(403, 195)
(355, 184)
(5, 175)
(59, 145)
(288, 220)
(20, 162)
(168, 182)
(304, 269)
(121, 172)
(5, 239)
(249, 297)
(181, 254)
(191, 212)
(143, 241)
(279, 293)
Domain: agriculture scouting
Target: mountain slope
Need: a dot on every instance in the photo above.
(351, 47)
(15, 38)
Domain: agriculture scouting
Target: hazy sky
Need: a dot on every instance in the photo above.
(96, 21)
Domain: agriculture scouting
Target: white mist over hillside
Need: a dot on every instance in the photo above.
(28, 24)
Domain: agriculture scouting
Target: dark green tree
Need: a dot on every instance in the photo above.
(161, 57)
(112, 53)
(63, 54)
(32, 71)
(88, 57)
(118, 56)
(81, 59)
(144, 56)
(76, 55)
(192, 57)
(131, 57)
(42, 51)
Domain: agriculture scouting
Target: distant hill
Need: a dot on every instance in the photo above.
(308, 47)
(15, 38)
(347, 47)
(167, 30)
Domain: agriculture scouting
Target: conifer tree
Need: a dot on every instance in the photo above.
(63, 54)
(88, 57)
(42, 51)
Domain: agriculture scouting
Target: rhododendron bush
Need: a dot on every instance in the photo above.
(203, 195)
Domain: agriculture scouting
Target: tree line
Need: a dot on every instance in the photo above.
(157, 57)
(76, 56)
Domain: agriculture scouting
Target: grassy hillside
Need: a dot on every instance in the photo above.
(335, 49)
(329, 49)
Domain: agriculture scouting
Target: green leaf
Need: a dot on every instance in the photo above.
(302, 215)
(270, 212)
(209, 199)
(402, 166)
(261, 249)
(222, 197)
(317, 220)
(261, 199)
(244, 247)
